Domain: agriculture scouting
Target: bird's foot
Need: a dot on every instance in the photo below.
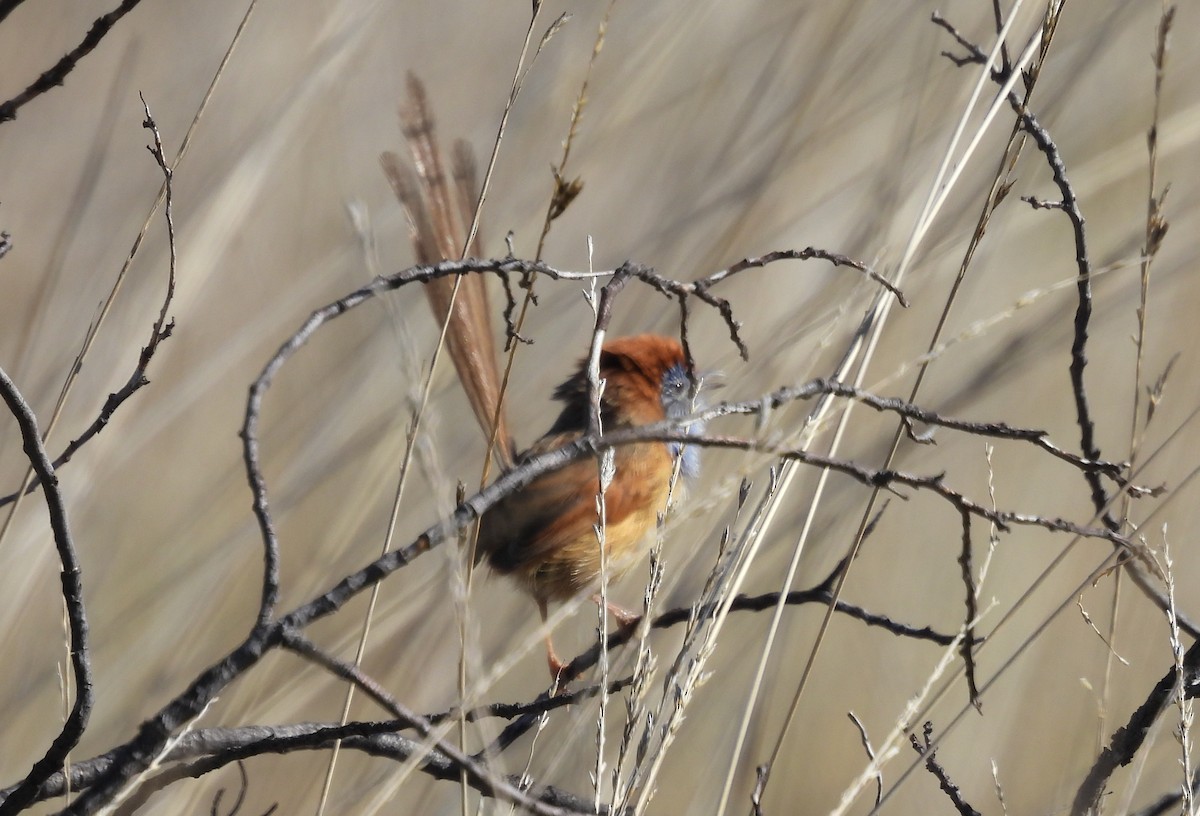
(624, 617)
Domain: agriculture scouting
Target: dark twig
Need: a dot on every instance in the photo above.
(866, 743)
(156, 150)
(967, 649)
(297, 643)
(56, 75)
(137, 380)
(929, 754)
(682, 290)
(72, 590)
(998, 16)
(542, 704)
(1083, 309)
(511, 331)
(915, 413)
(808, 253)
(885, 478)
(821, 594)
(160, 331)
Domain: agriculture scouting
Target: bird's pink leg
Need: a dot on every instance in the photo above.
(552, 660)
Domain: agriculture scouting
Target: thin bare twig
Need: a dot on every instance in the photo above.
(929, 754)
(57, 74)
(967, 649)
(1069, 205)
(866, 743)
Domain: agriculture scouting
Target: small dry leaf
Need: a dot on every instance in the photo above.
(565, 192)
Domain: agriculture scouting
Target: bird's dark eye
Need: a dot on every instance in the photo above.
(675, 383)
(676, 392)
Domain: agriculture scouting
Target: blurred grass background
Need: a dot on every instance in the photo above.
(713, 131)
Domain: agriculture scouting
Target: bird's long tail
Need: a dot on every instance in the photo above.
(439, 215)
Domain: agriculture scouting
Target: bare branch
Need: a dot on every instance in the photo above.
(929, 754)
(160, 331)
(57, 74)
(72, 590)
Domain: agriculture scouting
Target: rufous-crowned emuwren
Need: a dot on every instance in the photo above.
(543, 535)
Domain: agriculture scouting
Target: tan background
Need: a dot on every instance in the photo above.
(714, 131)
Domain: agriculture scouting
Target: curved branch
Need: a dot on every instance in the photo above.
(72, 590)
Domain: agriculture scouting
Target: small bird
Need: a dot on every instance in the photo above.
(544, 534)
